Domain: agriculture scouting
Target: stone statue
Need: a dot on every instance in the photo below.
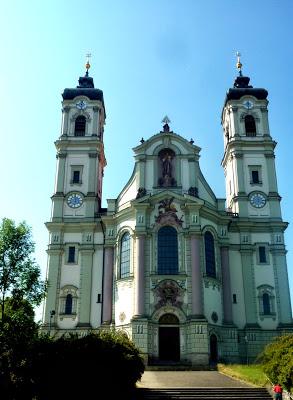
(167, 165)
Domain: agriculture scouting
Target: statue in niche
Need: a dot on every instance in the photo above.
(167, 165)
(166, 157)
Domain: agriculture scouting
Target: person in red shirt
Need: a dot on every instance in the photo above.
(278, 391)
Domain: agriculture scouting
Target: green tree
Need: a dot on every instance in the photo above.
(277, 361)
(19, 273)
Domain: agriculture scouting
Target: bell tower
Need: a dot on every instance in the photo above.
(73, 258)
(249, 160)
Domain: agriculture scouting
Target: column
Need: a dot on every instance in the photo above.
(139, 278)
(54, 265)
(61, 157)
(85, 290)
(271, 173)
(64, 128)
(282, 286)
(227, 298)
(95, 121)
(249, 287)
(108, 285)
(92, 175)
(196, 278)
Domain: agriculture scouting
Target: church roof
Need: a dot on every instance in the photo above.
(85, 88)
(242, 88)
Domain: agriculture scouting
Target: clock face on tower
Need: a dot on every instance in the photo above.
(81, 105)
(257, 200)
(74, 200)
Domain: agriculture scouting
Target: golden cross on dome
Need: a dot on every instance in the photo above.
(239, 64)
(88, 65)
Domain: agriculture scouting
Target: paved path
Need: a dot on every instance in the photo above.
(172, 379)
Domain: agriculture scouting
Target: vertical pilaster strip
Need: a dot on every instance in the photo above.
(95, 121)
(196, 277)
(192, 176)
(139, 277)
(85, 286)
(54, 266)
(282, 287)
(240, 172)
(108, 285)
(271, 173)
(65, 114)
(141, 176)
(61, 157)
(249, 287)
(92, 176)
(235, 120)
(227, 301)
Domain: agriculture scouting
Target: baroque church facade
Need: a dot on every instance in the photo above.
(191, 278)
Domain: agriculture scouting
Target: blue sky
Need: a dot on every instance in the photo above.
(150, 58)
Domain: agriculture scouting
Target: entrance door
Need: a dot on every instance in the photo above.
(213, 348)
(169, 343)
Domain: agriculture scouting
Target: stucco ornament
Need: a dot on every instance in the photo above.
(168, 293)
(167, 213)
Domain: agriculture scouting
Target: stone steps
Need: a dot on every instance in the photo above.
(203, 393)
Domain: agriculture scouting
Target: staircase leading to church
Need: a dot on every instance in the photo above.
(203, 393)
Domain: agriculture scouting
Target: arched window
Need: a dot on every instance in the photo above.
(79, 128)
(266, 304)
(68, 304)
(167, 251)
(250, 128)
(210, 254)
(125, 255)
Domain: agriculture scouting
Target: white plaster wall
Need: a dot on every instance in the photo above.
(124, 301)
(258, 212)
(70, 275)
(257, 159)
(71, 237)
(234, 237)
(150, 150)
(67, 322)
(71, 212)
(238, 309)
(128, 194)
(261, 237)
(264, 275)
(208, 223)
(149, 174)
(97, 286)
(213, 303)
(203, 193)
(185, 178)
(76, 160)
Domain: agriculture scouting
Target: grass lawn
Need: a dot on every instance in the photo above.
(249, 373)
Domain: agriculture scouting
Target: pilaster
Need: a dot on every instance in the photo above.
(65, 116)
(54, 270)
(249, 287)
(61, 157)
(85, 286)
(108, 285)
(96, 118)
(227, 298)
(139, 278)
(196, 278)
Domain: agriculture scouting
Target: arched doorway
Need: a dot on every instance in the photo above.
(169, 338)
(213, 348)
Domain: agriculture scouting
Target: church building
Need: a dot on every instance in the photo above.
(191, 278)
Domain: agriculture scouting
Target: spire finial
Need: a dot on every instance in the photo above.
(239, 64)
(88, 65)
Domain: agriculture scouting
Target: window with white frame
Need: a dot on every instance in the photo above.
(68, 300)
(124, 270)
(255, 174)
(76, 174)
(71, 254)
(266, 299)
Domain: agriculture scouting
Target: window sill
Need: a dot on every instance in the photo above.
(259, 183)
(125, 278)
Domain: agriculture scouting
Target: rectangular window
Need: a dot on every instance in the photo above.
(234, 298)
(99, 298)
(76, 174)
(254, 176)
(262, 254)
(76, 177)
(71, 254)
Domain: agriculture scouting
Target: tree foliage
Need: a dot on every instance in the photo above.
(19, 273)
(277, 361)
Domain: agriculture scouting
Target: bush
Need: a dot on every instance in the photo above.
(277, 361)
(83, 367)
